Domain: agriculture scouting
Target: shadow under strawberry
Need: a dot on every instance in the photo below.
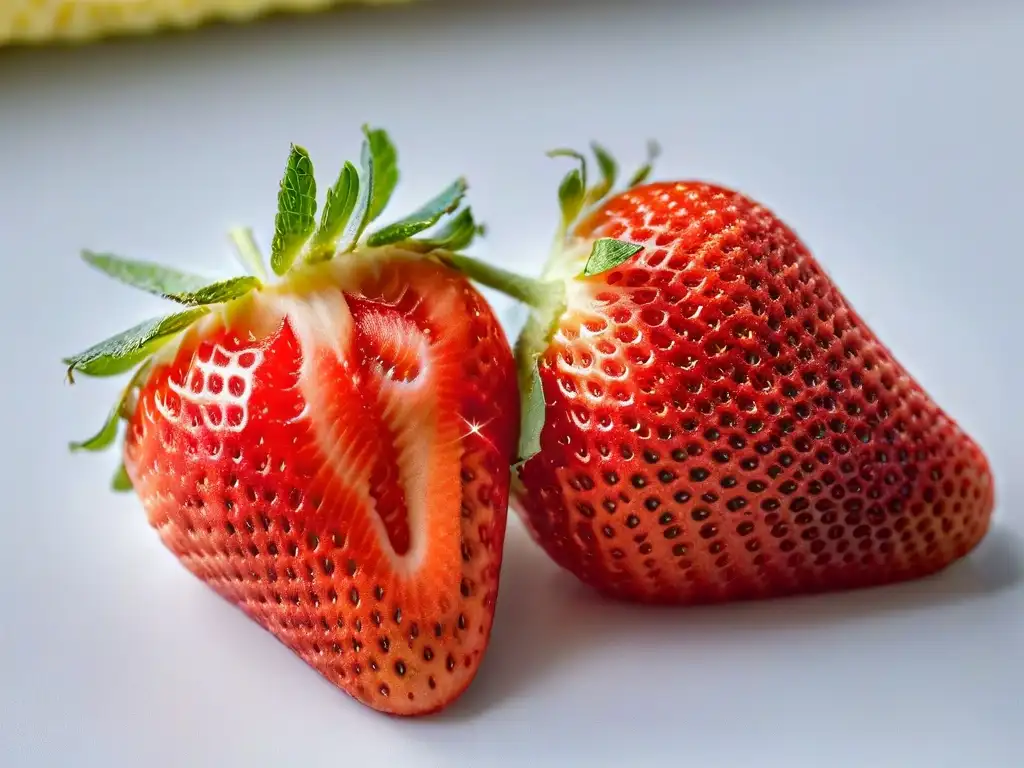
(546, 618)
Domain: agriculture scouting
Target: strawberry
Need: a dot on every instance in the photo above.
(330, 450)
(707, 418)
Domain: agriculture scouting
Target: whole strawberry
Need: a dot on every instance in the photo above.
(716, 422)
(330, 451)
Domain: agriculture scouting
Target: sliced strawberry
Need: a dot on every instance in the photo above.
(330, 453)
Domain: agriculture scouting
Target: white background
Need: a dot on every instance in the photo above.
(888, 133)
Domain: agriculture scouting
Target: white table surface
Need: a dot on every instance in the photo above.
(888, 133)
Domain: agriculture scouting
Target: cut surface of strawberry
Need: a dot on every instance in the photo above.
(707, 418)
(330, 451)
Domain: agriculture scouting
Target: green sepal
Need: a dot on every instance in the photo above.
(122, 352)
(608, 253)
(532, 419)
(338, 207)
(385, 170)
(653, 152)
(422, 218)
(577, 156)
(609, 173)
(105, 437)
(181, 287)
(572, 189)
(296, 210)
(108, 432)
(455, 235)
(219, 292)
(144, 275)
(120, 482)
(361, 211)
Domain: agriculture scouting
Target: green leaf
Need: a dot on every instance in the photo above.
(456, 235)
(108, 432)
(184, 288)
(338, 207)
(607, 253)
(219, 292)
(120, 353)
(653, 151)
(361, 212)
(578, 156)
(296, 210)
(570, 196)
(572, 190)
(105, 437)
(422, 218)
(385, 169)
(120, 482)
(144, 275)
(532, 421)
(609, 172)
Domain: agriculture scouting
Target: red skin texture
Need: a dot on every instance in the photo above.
(295, 514)
(721, 425)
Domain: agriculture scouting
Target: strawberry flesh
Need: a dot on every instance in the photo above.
(333, 458)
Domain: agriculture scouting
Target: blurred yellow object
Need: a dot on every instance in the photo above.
(41, 21)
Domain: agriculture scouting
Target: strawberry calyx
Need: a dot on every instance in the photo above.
(439, 229)
(573, 258)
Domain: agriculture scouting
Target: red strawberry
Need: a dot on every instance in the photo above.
(331, 451)
(718, 422)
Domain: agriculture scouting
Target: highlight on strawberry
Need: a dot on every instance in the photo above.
(706, 417)
(329, 449)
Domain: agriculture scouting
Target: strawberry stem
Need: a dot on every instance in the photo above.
(534, 293)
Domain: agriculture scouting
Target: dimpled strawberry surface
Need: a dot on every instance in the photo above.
(348, 491)
(721, 424)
